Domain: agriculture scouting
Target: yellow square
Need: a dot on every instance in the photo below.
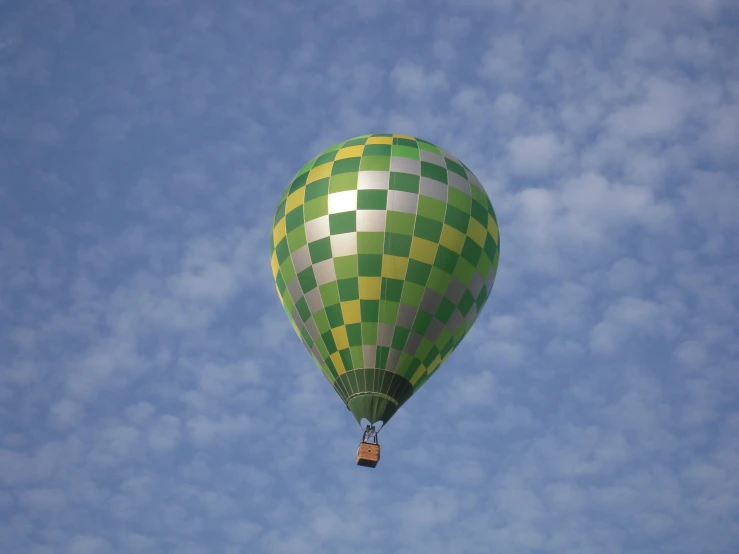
(418, 374)
(279, 294)
(340, 338)
(275, 265)
(424, 250)
(493, 228)
(279, 231)
(351, 312)
(295, 200)
(350, 152)
(434, 365)
(338, 363)
(396, 135)
(394, 267)
(380, 140)
(369, 288)
(477, 232)
(320, 172)
(452, 239)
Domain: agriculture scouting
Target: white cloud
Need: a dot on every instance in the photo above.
(535, 155)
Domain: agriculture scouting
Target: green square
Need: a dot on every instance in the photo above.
(321, 321)
(316, 208)
(400, 336)
(298, 183)
(370, 242)
(328, 340)
(306, 337)
(331, 367)
(289, 306)
(405, 142)
(471, 251)
(431, 208)
(343, 181)
(401, 151)
(403, 363)
(329, 293)
(446, 259)
(438, 280)
(354, 334)
(431, 356)
(322, 351)
(418, 272)
(399, 222)
(433, 171)
(369, 333)
(459, 200)
(345, 222)
(391, 289)
(307, 280)
(484, 266)
(398, 245)
(296, 239)
(375, 163)
(347, 165)
(426, 345)
(457, 218)
(316, 189)
(409, 370)
(422, 322)
(381, 356)
(345, 267)
(320, 250)
(369, 265)
(451, 165)
(280, 213)
(281, 286)
(348, 289)
(490, 247)
(464, 271)
(358, 353)
(282, 251)
(326, 157)
(413, 293)
(466, 302)
(287, 270)
(443, 342)
(334, 315)
(389, 311)
(428, 229)
(307, 167)
(303, 309)
(346, 357)
(404, 181)
(376, 150)
(479, 212)
(478, 194)
(356, 141)
(375, 200)
(425, 145)
(482, 298)
(443, 313)
(370, 310)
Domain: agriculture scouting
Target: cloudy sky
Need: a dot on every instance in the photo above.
(153, 396)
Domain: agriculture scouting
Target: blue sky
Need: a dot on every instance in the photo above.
(153, 396)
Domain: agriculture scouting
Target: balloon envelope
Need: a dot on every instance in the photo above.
(384, 249)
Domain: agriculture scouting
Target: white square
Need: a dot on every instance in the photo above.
(345, 201)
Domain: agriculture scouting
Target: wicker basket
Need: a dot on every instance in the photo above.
(368, 454)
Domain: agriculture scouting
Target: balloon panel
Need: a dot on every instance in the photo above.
(384, 249)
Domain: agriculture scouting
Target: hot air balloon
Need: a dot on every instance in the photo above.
(384, 250)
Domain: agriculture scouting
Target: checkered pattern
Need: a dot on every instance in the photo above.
(384, 250)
